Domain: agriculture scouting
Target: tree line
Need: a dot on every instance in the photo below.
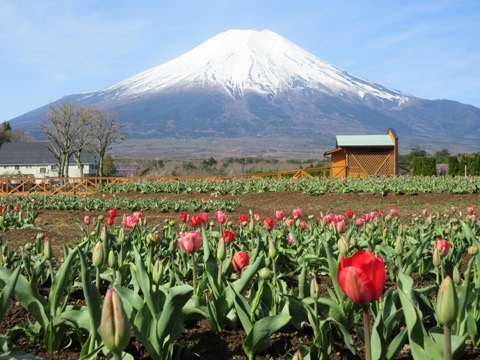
(73, 130)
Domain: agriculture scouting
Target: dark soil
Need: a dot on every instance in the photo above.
(198, 341)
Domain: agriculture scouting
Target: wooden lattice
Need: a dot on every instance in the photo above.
(361, 164)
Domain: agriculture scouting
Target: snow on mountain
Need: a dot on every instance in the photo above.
(239, 61)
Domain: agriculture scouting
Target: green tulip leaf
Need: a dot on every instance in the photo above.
(258, 337)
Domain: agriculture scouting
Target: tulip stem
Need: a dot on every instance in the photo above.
(98, 277)
(447, 343)
(117, 356)
(194, 275)
(366, 332)
(50, 267)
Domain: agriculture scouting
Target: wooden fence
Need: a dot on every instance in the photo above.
(91, 185)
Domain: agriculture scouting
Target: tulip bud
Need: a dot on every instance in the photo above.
(103, 233)
(47, 248)
(157, 271)
(171, 247)
(343, 245)
(457, 279)
(100, 217)
(121, 235)
(399, 246)
(221, 250)
(97, 256)
(437, 258)
(272, 250)
(265, 273)
(314, 288)
(472, 250)
(28, 246)
(111, 259)
(114, 326)
(40, 236)
(447, 303)
(297, 355)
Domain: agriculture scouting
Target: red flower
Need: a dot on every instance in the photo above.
(228, 236)
(268, 223)
(184, 217)
(349, 213)
(112, 212)
(110, 220)
(442, 246)
(16, 208)
(203, 217)
(362, 276)
(195, 221)
(191, 241)
(243, 219)
(240, 260)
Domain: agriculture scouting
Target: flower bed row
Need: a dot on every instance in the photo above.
(312, 186)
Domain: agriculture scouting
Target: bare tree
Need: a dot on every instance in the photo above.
(66, 124)
(106, 132)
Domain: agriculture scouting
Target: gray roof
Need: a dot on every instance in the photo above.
(31, 153)
(364, 140)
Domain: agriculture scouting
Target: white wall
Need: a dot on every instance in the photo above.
(40, 171)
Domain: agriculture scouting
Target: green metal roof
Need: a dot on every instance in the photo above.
(364, 140)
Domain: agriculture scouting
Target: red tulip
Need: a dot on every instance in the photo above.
(112, 212)
(184, 217)
(203, 217)
(191, 241)
(110, 220)
(268, 223)
(243, 219)
(195, 220)
(228, 236)
(349, 213)
(442, 246)
(362, 276)
(240, 260)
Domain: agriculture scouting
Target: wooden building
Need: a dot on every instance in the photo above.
(365, 155)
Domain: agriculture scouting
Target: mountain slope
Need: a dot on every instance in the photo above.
(257, 83)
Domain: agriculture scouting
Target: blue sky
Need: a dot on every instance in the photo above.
(51, 48)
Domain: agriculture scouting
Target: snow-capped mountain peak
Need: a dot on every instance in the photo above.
(250, 60)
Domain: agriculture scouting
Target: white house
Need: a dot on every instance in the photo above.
(33, 159)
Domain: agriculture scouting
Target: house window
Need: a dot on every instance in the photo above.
(43, 170)
(53, 167)
(17, 167)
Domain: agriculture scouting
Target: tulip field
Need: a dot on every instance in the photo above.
(310, 268)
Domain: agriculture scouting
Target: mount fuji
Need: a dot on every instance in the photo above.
(259, 84)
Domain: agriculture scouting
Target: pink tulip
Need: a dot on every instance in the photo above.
(470, 210)
(360, 221)
(297, 213)
(289, 222)
(290, 238)
(190, 241)
(130, 221)
(86, 219)
(279, 214)
(221, 216)
(442, 246)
